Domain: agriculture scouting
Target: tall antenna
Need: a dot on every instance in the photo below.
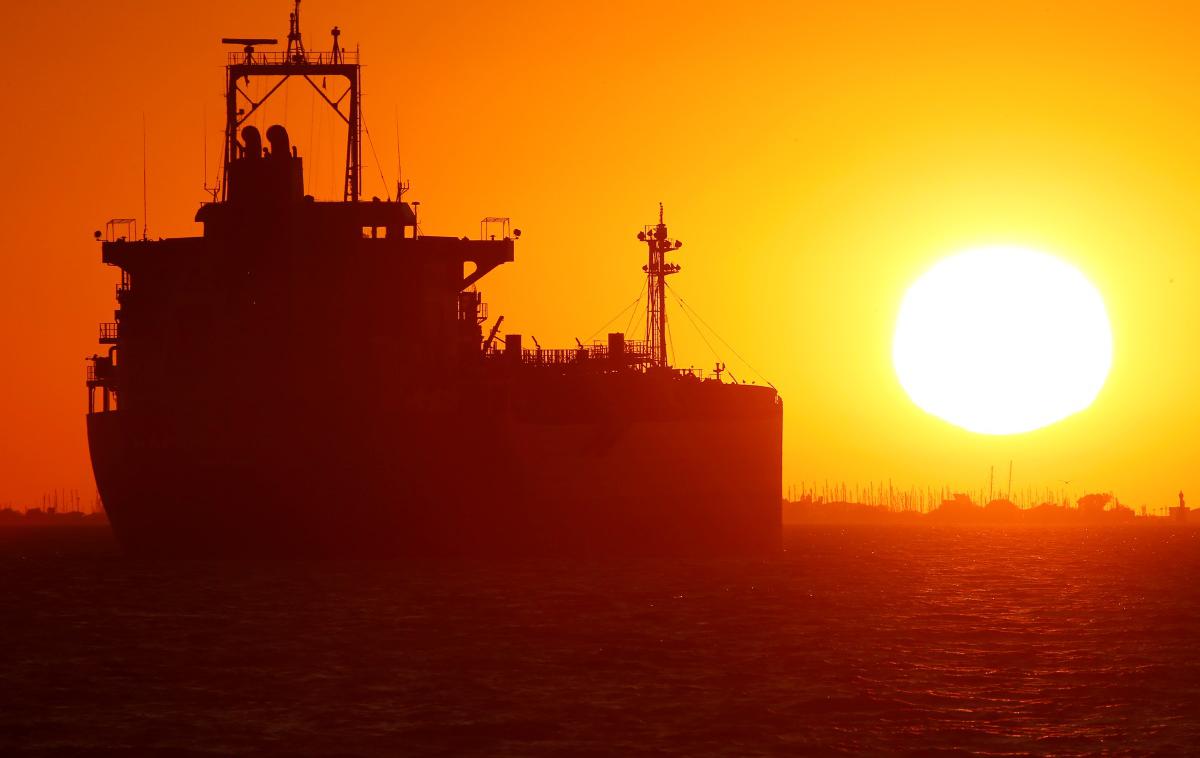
(295, 46)
(145, 201)
(401, 185)
(211, 191)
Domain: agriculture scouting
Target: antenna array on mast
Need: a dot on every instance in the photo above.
(298, 62)
(657, 270)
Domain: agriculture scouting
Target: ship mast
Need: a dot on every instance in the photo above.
(296, 61)
(657, 270)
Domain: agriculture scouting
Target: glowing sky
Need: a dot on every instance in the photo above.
(815, 158)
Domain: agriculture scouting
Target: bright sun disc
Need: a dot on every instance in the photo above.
(1002, 340)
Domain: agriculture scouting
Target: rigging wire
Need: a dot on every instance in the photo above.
(334, 190)
(319, 146)
(671, 354)
(378, 165)
(313, 136)
(220, 167)
(699, 331)
(636, 311)
(719, 337)
(629, 327)
(619, 314)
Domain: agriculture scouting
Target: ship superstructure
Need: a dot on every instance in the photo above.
(313, 378)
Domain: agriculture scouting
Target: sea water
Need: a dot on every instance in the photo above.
(895, 640)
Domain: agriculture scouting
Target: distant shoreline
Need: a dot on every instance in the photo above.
(959, 512)
(1091, 510)
(36, 517)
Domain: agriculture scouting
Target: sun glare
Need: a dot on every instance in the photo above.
(1002, 340)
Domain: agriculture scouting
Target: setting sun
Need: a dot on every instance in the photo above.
(1002, 340)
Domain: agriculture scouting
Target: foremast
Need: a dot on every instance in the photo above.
(657, 270)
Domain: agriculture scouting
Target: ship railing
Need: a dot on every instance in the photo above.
(122, 289)
(109, 332)
(276, 58)
(99, 376)
(554, 356)
(120, 230)
(636, 352)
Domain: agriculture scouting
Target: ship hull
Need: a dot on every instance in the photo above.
(699, 479)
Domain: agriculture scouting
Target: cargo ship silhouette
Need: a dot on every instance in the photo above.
(313, 378)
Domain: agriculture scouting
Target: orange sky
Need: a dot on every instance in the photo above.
(815, 160)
